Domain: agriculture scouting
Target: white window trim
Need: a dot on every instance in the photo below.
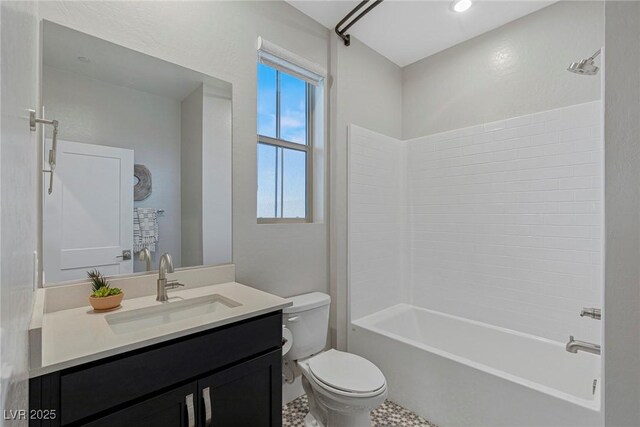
(281, 59)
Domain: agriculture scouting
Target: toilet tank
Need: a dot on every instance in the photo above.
(308, 321)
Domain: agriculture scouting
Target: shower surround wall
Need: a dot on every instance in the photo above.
(377, 212)
(503, 222)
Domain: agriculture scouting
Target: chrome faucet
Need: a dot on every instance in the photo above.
(574, 346)
(145, 255)
(166, 266)
(594, 313)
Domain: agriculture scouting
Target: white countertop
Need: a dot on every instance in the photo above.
(74, 336)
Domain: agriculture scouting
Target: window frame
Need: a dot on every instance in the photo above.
(282, 143)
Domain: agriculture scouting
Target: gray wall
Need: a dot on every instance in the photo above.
(516, 69)
(219, 38)
(95, 112)
(217, 171)
(19, 180)
(367, 91)
(622, 222)
(191, 110)
(205, 181)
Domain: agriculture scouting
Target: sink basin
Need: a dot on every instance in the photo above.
(169, 312)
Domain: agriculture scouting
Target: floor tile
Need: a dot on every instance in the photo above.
(389, 414)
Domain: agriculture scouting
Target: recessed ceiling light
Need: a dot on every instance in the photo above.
(461, 5)
(83, 59)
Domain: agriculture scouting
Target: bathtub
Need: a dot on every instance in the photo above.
(458, 372)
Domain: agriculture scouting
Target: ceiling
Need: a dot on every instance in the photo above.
(120, 66)
(407, 31)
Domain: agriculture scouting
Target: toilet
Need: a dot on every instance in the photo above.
(342, 388)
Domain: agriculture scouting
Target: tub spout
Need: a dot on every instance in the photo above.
(594, 313)
(574, 346)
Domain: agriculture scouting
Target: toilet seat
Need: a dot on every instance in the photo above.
(346, 374)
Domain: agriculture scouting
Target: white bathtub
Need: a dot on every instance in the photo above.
(458, 372)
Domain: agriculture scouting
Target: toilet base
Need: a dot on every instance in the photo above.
(310, 421)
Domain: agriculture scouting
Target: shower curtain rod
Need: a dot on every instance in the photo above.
(341, 32)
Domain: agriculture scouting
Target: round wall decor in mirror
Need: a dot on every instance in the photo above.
(142, 178)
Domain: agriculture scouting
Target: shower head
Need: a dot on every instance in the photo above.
(586, 66)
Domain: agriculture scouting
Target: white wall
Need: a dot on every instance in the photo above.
(219, 39)
(192, 118)
(217, 173)
(19, 178)
(622, 207)
(377, 222)
(366, 91)
(206, 169)
(95, 112)
(506, 222)
(516, 69)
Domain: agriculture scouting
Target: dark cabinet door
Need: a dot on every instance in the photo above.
(245, 395)
(175, 408)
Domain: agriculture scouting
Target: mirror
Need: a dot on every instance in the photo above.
(143, 160)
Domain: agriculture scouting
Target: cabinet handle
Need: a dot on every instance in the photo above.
(191, 416)
(206, 395)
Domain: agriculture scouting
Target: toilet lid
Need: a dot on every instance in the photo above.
(346, 372)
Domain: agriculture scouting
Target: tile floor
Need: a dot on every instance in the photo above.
(388, 415)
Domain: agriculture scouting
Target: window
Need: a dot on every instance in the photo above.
(285, 122)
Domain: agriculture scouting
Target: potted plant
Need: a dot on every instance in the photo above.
(104, 297)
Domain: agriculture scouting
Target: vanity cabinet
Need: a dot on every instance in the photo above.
(169, 409)
(242, 395)
(228, 376)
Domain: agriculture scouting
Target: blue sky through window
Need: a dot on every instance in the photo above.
(268, 188)
(267, 101)
(293, 109)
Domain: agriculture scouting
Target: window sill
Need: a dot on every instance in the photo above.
(284, 221)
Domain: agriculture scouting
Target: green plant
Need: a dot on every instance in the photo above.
(106, 292)
(97, 280)
(101, 286)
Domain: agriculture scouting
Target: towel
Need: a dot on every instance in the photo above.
(145, 229)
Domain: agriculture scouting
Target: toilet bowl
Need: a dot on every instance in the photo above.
(342, 388)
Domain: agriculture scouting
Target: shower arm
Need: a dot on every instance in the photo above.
(595, 55)
(33, 121)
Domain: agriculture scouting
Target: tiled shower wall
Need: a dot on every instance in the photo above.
(506, 221)
(377, 239)
(503, 222)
